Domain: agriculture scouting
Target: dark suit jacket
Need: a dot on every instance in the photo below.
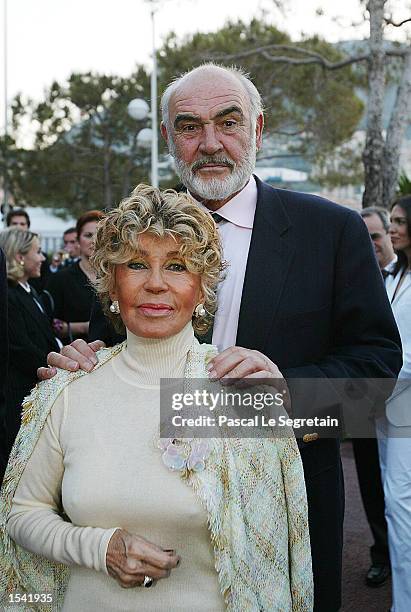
(4, 359)
(313, 301)
(72, 294)
(31, 338)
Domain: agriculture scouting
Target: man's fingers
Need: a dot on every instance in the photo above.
(76, 355)
(81, 348)
(225, 362)
(238, 365)
(46, 373)
(96, 345)
(56, 360)
(244, 368)
(80, 353)
(262, 376)
(231, 353)
(237, 362)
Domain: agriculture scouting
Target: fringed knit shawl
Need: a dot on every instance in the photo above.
(252, 489)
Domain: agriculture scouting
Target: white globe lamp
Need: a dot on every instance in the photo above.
(144, 138)
(138, 109)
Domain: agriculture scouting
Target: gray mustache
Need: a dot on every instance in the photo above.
(223, 161)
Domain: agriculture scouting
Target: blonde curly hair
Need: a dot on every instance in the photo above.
(15, 241)
(161, 214)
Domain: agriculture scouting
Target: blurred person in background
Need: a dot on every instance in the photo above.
(71, 288)
(377, 220)
(55, 265)
(30, 333)
(18, 217)
(367, 462)
(45, 296)
(71, 246)
(395, 431)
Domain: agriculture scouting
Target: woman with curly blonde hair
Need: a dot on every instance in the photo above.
(94, 500)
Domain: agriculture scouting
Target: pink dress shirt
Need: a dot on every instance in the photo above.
(235, 235)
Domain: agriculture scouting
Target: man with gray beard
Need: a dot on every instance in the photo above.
(213, 189)
(302, 298)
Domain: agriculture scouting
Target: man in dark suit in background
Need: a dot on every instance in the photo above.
(18, 217)
(303, 296)
(367, 461)
(71, 246)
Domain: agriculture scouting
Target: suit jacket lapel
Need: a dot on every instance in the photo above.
(31, 307)
(269, 259)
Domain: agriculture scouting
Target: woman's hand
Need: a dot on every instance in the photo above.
(60, 327)
(76, 355)
(130, 558)
(64, 329)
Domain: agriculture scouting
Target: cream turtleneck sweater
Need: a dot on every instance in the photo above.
(97, 458)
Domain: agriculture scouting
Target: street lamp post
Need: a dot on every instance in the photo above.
(154, 140)
(139, 110)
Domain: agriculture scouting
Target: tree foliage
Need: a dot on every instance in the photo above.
(404, 185)
(306, 105)
(84, 152)
(381, 153)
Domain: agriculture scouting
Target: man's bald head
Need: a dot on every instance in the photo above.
(206, 73)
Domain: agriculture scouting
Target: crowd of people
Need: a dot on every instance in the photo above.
(277, 287)
(48, 303)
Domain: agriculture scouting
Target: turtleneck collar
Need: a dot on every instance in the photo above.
(145, 360)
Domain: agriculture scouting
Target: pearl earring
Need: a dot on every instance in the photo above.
(200, 311)
(114, 307)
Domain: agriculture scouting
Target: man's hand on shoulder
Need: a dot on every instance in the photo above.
(247, 367)
(74, 356)
(237, 362)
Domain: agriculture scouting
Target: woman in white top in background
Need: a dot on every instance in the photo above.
(395, 445)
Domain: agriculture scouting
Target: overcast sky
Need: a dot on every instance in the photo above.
(48, 39)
